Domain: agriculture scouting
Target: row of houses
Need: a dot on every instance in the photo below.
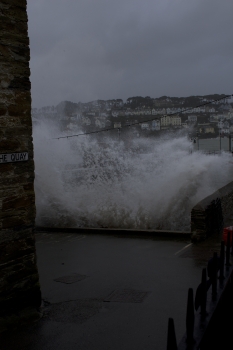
(166, 119)
(156, 124)
(116, 108)
(213, 118)
(164, 122)
(160, 111)
(221, 117)
(220, 128)
(122, 112)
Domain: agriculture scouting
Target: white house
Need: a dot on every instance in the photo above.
(225, 130)
(117, 125)
(115, 113)
(220, 124)
(155, 125)
(100, 123)
(145, 126)
(154, 111)
(86, 120)
(213, 118)
(175, 120)
(192, 118)
(220, 117)
(165, 121)
(211, 110)
(231, 129)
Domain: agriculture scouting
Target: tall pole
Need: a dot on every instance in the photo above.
(197, 141)
(229, 142)
(119, 133)
(220, 141)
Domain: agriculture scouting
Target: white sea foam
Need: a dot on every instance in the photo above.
(150, 184)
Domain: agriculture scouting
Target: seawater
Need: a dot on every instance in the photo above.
(146, 183)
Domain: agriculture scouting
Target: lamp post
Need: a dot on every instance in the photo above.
(220, 141)
(230, 143)
(197, 141)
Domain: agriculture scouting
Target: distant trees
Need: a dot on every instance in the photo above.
(140, 102)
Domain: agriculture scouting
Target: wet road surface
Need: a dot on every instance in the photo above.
(111, 292)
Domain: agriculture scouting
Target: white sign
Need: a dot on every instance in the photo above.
(13, 157)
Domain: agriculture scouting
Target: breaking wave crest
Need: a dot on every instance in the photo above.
(144, 183)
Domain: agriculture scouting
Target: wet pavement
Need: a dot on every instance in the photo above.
(111, 292)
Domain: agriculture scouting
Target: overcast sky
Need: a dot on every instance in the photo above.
(83, 50)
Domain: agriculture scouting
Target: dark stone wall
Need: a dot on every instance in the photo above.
(19, 281)
(214, 212)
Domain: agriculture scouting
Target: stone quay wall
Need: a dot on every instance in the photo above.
(19, 280)
(214, 212)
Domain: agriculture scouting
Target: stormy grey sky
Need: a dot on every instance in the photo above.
(83, 50)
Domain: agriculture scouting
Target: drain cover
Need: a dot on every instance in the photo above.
(71, 279)
(127, 296)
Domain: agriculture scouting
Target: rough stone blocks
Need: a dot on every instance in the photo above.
(19, 281)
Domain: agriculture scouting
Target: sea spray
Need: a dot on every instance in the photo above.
(145, 183)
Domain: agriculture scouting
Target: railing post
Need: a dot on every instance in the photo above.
(204, 292)
(193, 340)
(231, 242)
(190, 317)
(222, 261)
(171, 335)
(214, 275)
(228, 250)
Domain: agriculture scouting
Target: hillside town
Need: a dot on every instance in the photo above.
(208, 116)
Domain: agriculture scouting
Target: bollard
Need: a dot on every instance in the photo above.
(228, 250)
(231, 242)
(194, 338)
(171, 335)
(204, 293)
(214, 275)
(190, 317)
(222, 261)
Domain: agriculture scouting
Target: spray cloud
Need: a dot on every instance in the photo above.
(149, 184)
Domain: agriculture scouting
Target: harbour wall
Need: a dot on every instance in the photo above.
(214, 212)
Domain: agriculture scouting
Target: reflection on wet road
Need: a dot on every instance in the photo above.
(112, 292)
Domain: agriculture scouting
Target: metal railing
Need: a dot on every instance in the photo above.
(200, 310)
